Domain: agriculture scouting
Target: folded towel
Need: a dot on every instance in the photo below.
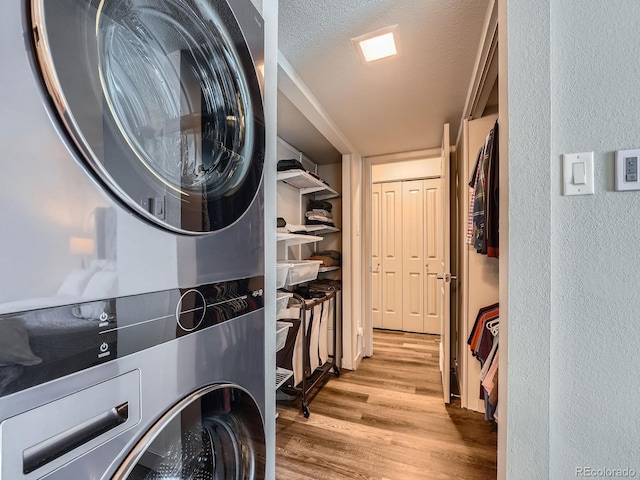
(318, 213)
(321, 204)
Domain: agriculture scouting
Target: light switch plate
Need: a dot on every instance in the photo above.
(571, 187)
(627, 177)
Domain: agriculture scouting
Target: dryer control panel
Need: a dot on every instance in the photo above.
(42, 345)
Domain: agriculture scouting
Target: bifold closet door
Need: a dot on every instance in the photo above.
(413, 266)
(376, 256)
(433, 233)
(391, 205)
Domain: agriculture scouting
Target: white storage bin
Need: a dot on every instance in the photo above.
(282, 301)
(302, 271)
(282, 329)
(282, 269)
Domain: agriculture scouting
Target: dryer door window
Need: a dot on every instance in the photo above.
(163, 102)
(216, 434)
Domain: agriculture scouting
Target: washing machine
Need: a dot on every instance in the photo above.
(132, 250)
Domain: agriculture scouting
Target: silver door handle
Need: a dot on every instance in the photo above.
(447, 277)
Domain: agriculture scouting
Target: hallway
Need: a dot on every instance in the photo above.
(386, 421)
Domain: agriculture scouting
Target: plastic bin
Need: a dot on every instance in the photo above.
(282, 329)
(282, 269)
(302, 271)
(282, 301)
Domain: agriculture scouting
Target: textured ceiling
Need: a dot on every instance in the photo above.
(396, 104)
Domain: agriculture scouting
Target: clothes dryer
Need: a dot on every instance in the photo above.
(132, 250)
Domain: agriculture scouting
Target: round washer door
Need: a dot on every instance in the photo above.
(215, 434)
(163, 102)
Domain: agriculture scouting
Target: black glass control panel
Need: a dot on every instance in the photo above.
(41, 345)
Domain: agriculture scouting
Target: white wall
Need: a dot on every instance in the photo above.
(595, 413)
(332, 174)
(407, 170)
(525, 310)
(352, 265)
(573, 261)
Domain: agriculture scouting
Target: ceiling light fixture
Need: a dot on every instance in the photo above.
(376, 45)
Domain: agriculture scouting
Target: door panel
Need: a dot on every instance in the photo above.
(163, 103)
(392, 255)
(376, 257)
(445, 326)
(413, 256)
(433, 253)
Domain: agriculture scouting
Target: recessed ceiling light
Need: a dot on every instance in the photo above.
(376, 45)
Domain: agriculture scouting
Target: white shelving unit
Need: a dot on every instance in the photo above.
(317, 229)
(328, 269)
(293, 239)
(298, 186)
(307, 184)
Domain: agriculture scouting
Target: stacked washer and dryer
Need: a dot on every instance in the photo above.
(132, 251)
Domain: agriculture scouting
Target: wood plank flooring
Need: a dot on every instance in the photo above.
(386, 421)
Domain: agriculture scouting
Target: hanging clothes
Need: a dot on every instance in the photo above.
(485, 315)
(484, 343)
(493, 197)
(483, 221)
(478, 206)
(472, 197)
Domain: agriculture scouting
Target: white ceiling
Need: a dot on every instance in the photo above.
(392, 105)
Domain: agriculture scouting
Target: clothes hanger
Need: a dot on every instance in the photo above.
(493, 326)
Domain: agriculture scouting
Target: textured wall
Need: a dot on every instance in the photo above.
(573, 261)
(528, 308)
(595, 414)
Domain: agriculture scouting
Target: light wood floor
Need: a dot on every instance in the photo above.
(386, 421)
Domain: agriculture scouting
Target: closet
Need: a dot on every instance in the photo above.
(478, 284)
(480, 280)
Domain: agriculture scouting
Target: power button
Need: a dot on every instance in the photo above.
(190, 310)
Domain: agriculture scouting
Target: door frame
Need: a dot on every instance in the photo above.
(367, 182)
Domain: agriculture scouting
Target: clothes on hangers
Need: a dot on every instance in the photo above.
(483, 220)
(472, 197)
(493, 196)
(485, 314)
(484, 343)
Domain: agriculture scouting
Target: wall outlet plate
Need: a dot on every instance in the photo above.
(578, 162)
(626, 166)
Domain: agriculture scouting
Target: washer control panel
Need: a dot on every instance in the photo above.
(54, 342)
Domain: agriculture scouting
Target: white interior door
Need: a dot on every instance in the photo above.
(391, 204)
(413, 257)
(445, 280)
(433, 233)
(376, 257)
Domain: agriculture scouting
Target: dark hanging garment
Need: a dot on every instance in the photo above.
(492, 210)
(480, 199)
